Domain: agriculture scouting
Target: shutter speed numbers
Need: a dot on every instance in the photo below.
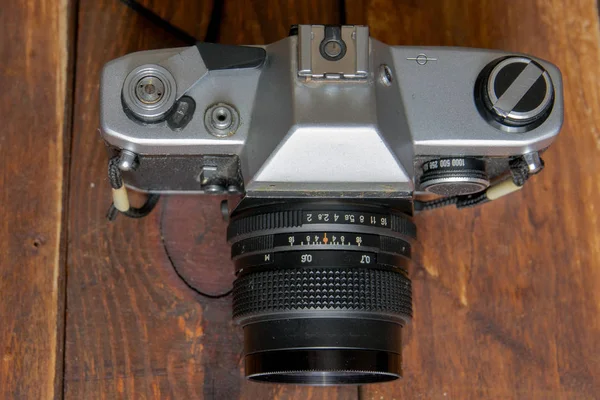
(444, 163)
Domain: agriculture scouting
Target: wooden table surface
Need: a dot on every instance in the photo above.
(506, 296)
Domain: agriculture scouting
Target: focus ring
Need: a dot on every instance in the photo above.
(326, 289)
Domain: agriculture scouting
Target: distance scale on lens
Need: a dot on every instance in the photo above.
(309, 258)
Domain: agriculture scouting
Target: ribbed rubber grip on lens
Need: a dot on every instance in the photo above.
(259, 222)
(297, 289)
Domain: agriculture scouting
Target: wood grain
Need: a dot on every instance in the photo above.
(507, 296)
(191, 16)
(35, 98)
(134, 330)
(247, 22)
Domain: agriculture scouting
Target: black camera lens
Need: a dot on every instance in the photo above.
(322, 291)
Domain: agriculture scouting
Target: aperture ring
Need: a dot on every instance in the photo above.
(264, 221)
(302, 218)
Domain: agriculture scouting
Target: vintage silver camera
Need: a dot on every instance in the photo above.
(327, 139)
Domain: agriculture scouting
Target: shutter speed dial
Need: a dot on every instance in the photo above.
(515, 92)
(454, 176)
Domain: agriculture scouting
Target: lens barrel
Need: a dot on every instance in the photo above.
(322, 291)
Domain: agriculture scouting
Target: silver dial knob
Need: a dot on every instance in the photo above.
(518, 92)
(454, 176)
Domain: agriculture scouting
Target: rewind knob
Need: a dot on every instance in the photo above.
(517, 92)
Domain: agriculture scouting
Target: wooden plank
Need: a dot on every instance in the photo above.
(134, 329)
(191, 16)
(35, 102)
(356, 12)
(247, 22)
(507, 296)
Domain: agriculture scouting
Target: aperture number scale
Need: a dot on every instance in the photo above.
(354, 218)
